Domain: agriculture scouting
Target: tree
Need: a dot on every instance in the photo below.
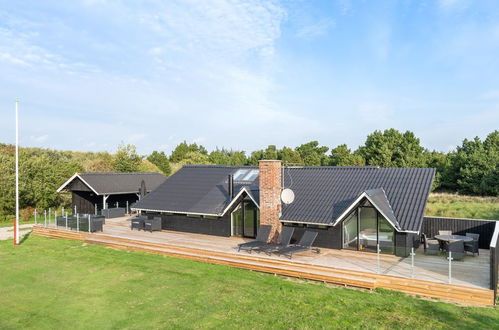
(227, 157)
(195, 158)
(180, 152)
(392, 149)
(289, 156)
(312, 154)
(127, 159)
(474, 167)
(342, 156)
(161, 161)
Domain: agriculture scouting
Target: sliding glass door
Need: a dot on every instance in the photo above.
(366, 228)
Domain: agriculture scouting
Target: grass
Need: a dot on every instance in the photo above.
(459, 206)
(50, 284)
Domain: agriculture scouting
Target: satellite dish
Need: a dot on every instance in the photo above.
(287, 196)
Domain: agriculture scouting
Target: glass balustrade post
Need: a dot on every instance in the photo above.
(450, 267)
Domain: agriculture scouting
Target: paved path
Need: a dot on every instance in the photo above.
(8, 232)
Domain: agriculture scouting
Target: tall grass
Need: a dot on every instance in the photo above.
(460, 206)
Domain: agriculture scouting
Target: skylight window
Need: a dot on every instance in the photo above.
(240, 174)
(251, 175)
(245, 175)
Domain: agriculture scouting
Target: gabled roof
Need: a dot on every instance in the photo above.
(378, 199)
(323, 194)
(197, 189)
(102, 183)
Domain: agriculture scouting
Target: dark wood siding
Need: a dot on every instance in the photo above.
(78, 185)
(329, 238)
(217, 227)
(84, 201)
(431, 226)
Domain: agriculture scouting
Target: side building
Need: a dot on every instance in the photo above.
(102, 190)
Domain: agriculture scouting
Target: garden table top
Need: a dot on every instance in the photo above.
(449, 238)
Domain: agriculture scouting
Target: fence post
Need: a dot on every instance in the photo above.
(66, 220)
(49, 216)
(126, 211)
(450, 267)
(95, 208)
(89, 223)
(35, 217)
(55, 218)
(77, 222)
(116, 204)
(45, 215)
(412, 262)
(377, 256)
(75, 210)
(62, 212)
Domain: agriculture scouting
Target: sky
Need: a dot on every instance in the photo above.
(91, 74)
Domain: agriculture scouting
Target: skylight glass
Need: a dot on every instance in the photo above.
(245, 175)
(240, 174)
(251, 175)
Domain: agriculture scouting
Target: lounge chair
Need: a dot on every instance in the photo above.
(457, 249)
(473, 245)
(305, 244)
(283, 241)
(431, 246)
(262, 236)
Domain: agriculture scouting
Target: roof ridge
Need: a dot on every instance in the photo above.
(120, 173)
(221, 166)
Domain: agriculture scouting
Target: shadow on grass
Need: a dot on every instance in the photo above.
(25, 237)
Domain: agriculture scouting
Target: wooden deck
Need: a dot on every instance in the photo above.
(357, 269)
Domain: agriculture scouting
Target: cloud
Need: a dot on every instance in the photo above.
(316, 29)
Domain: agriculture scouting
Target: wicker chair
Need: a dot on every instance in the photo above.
(473, 245)
(457, 249)
(431, 246)
(152, 224)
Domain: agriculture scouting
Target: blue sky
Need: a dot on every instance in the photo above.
(244, 74)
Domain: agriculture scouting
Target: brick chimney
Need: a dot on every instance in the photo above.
(270, 195)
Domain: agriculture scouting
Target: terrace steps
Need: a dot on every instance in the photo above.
(366, 280)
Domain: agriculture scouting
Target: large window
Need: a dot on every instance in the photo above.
(365, 229)
(245, 220)
(350, 232)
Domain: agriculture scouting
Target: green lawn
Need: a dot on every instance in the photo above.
(459, 206)
(61, 284)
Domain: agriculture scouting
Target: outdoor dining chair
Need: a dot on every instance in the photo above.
(431, 246)
(152, 224)
(283, 241)
(445, 232)
(473, 245)
(138, 222)
(262, 237)
(457, 249)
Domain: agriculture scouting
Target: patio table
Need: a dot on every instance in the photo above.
(444, 239)
(453, 238)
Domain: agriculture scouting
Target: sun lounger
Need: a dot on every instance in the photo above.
(262, 237)
(283, 241)
(305, 244)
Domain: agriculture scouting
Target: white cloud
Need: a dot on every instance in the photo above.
(316, 29)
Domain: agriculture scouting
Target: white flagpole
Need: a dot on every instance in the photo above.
(16, 224)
